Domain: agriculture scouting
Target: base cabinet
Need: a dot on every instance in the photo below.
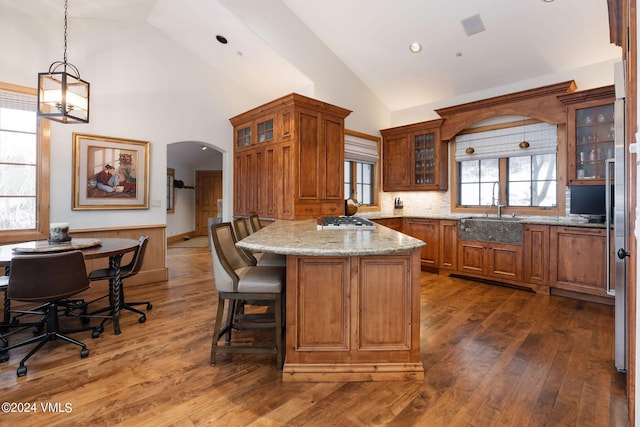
(353, 318)
(577, 260)
(392, 223)
(448, 245)
(490, 260)
(428, 231)
(536, 254)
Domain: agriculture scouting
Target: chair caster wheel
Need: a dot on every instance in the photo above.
(84, 353)
(37, 330)
(142, 319)
(22, 371)
(4, 357)
(149, 306)
(86, 320)
(95, 333)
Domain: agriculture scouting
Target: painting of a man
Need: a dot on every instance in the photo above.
(108, 180)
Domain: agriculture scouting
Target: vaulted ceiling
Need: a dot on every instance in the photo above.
(517, 40)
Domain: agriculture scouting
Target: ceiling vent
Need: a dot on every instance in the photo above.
(472, 25)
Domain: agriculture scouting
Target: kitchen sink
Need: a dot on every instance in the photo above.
(491, 229)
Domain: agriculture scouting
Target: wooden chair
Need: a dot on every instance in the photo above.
(46, 279)
(236, 280)
(256, 258)
(131, 269)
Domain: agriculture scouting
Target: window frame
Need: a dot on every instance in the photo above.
(376, 183)
(561, 159)
(43, 136)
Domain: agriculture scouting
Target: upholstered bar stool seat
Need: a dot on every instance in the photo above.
(267, 279)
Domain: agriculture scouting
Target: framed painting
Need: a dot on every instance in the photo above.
(110, 173)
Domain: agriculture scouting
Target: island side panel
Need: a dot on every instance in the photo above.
(363, 319)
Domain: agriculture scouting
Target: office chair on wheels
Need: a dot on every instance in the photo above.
(46, 279)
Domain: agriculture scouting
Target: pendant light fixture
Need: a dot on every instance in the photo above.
(62, 95)
(524, 143)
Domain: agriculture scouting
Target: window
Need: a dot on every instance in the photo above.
(532, 181)
(24, 156)
(361, 174)
(499, 171)
(478, 180)
(359, 181)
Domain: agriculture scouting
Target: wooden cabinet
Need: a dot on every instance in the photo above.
(289, 159)
(577, 259)
(353, 318)
(590, 134)
(448, 245)
(536, 254)
(427, 230)
(490, 260)
(414, 158)
(392, 223)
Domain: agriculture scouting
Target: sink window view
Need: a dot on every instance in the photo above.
(525, 154)
(533, 181)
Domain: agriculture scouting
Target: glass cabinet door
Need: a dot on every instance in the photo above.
(265, 130)
(594, 136)
(424, 157)
(243, 136)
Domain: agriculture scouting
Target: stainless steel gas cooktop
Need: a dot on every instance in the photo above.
(346, 223)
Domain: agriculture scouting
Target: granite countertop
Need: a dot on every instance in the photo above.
(542, 220)
(304, 238)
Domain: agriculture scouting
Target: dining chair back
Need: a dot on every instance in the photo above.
(48, 279)
(130, 269)
(237, 281)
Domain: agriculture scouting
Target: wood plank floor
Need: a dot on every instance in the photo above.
(493, 356)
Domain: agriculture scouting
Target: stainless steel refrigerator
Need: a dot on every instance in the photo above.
(616, 191)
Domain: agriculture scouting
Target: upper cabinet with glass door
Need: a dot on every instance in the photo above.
(414, 158)
(259, 131)
(590, 133)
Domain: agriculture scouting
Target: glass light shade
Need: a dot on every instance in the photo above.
(63, 97)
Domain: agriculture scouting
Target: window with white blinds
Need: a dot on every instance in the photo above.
(19, 157)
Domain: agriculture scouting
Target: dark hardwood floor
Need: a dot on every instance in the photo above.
(493, 356)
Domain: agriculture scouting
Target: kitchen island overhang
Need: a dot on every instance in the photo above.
(352, 301)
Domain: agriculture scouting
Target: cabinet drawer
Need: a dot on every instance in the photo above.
(332, 208)
(307, 210)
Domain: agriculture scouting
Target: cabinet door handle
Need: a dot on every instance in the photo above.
(622, 253)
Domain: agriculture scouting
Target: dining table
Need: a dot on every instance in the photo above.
(103, 247)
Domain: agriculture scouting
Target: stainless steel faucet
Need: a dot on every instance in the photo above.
(495, 201)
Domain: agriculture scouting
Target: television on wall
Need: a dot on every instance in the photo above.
(589, 200)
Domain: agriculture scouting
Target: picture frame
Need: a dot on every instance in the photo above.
(171, 191)
(110, 173)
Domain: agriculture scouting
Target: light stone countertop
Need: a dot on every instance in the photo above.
(304, 238)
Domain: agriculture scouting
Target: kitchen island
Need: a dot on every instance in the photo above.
(352, 301)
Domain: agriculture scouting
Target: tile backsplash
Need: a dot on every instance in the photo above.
(420, 203)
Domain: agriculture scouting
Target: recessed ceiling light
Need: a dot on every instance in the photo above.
(415, 47)
(221, 39)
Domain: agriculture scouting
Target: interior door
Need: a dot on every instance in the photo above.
(208, 191)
